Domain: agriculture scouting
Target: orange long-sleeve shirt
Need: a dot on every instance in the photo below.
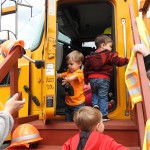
(77, 85)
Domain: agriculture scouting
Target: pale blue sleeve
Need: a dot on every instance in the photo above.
(6, 125)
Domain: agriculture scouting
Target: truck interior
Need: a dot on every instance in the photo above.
(79, 23)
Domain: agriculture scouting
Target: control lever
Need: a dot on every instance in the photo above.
(34, 98)
(38, 63)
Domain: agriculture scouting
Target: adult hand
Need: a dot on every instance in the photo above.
(13, 105)
(141, 48)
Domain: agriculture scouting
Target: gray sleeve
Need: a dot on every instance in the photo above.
(6, 124)
(148, 74)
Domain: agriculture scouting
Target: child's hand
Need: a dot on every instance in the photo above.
(58, 76)
(65, 80)
(69, 79)
(13, 105)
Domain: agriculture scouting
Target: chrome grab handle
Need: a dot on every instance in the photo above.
(123, 21)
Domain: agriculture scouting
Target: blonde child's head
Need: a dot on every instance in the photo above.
(75, 56)
(89, 119)
(74, 60)
(103, 41)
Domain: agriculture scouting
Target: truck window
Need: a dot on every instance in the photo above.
(89, 44)
(29, 22)
(63, 38)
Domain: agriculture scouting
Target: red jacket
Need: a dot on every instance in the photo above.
(96, 141)
(102, 63)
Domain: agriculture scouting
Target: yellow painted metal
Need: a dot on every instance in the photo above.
(49, 75)
(9, 10)
(36, 81)
(4, 92)
(23, 64)
(119, 14)
(43, 80)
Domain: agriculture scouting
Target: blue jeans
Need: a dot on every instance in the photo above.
(70, 110)
(100, 88)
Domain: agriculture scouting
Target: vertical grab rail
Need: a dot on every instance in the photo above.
(123, 21)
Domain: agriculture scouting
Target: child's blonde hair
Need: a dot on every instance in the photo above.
(102, 39)
(75, 56)
(86, 118)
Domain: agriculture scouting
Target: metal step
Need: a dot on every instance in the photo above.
(59, 131)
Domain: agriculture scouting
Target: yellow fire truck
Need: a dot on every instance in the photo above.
(53, 28)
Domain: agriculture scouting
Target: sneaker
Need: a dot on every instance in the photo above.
(105, 118)
(96, 106)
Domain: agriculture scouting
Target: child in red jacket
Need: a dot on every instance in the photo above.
(98, 69)
(90, 124)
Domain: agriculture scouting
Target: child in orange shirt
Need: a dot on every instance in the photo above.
(74, 76)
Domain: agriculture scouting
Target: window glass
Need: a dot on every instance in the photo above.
(89, 44)
(29, 22)
(63, 38)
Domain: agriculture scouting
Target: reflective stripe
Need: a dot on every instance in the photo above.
(134, 66)
(148, 136)
(132, 81)
(146, 142)
(135, 91)
(27, 137)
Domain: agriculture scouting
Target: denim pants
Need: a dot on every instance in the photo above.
(70, 110)
(100, 88)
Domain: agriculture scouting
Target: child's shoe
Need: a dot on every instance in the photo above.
(105, 118)
(96, 106)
